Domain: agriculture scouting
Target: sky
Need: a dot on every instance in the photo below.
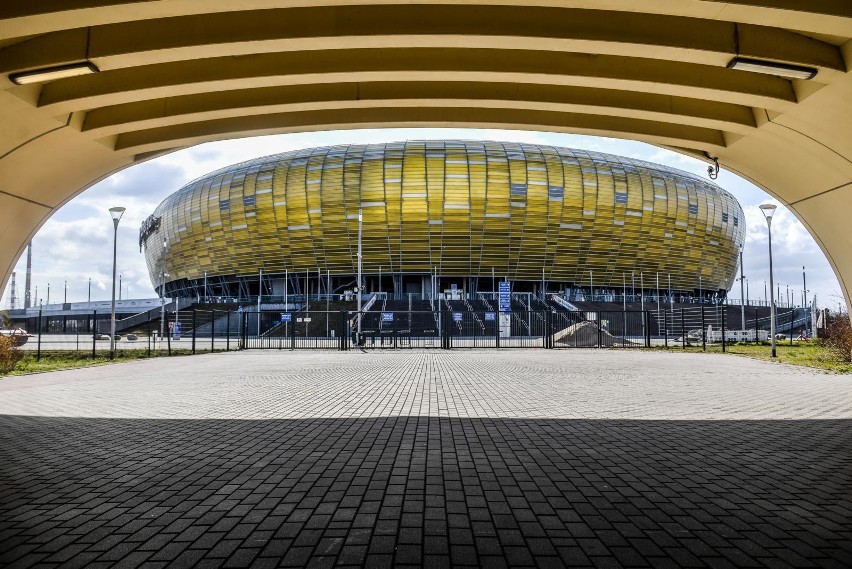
(75, 245)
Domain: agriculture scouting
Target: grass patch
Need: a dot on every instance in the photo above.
(60, 360)
(809, 354)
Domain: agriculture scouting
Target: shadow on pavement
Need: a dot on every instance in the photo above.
(425, 490)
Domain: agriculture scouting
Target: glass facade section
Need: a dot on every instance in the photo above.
(457, 208)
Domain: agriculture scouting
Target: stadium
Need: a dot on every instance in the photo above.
(445, 215)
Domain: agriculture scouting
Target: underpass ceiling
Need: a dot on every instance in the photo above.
(174, 73)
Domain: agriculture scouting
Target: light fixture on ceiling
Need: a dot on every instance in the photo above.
(46, 74)
(772, 68)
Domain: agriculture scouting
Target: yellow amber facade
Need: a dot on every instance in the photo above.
(461, 208)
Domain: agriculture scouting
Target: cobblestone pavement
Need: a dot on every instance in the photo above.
(518, 458)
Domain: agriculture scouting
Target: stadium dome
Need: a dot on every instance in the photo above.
(442, 213)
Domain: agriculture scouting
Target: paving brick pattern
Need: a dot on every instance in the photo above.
(528, 458)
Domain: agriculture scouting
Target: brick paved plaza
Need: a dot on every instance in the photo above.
(519, 458)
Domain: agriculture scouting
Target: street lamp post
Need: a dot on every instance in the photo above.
(90, 290)
(163, 290)
(742, 290)
(358, 284)
(768, 211)
(116, 213)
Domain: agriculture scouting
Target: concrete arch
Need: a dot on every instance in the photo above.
(174, 73)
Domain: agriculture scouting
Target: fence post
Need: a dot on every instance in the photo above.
(682, 329)
(792, 320)
(193, 331)
(212, 331)
(600, 331)
(38, 349)
(703, 331)
(169, 336)
(647, 318)
(244, 330)
(724, 345)
(148, 333)
(755, 326)
(94, 332)
(228, 332)
(292, 326)
(497, 329)
(665, 329)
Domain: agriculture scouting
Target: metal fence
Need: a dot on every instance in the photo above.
(195, 330)
(184, 331)
(445, 329)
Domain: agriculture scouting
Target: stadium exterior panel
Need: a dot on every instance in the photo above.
(437, 213)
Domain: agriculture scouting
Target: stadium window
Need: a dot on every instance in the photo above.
(693, 208)
(736, 221)
(224, 205)
(518, 189)
(249, 201)
(620, 197)
(724, 218)
(555, 193)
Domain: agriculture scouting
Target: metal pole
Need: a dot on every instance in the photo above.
(327, 296)
(742, 290)
(119, 287)
(591, 286)
(671, 299)
(805, 297)
(116, 213)
(163, 291)
(259, 294)
(623, 292)
(90, 290)
(358, 283)
(768, 210)
(65, 295)
(205, 286)
(658, 303)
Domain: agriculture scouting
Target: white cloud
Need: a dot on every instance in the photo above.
(76, 244)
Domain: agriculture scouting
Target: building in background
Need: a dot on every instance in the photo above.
(445, 215)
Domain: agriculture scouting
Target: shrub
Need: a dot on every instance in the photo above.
(838, 339)
(9, 354)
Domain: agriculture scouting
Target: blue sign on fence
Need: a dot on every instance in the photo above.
(176, 331)
(489, 316)
(454, 287)
(286, 317)
(457, 316)
(387, 316)
(504, 296)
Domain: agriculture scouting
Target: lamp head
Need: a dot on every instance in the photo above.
(768, 210)
(116, 213)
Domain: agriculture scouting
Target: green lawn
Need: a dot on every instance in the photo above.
(809, 354)
(55, 361)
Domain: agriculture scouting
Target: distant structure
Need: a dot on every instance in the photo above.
(29, 279)
(13, 296)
